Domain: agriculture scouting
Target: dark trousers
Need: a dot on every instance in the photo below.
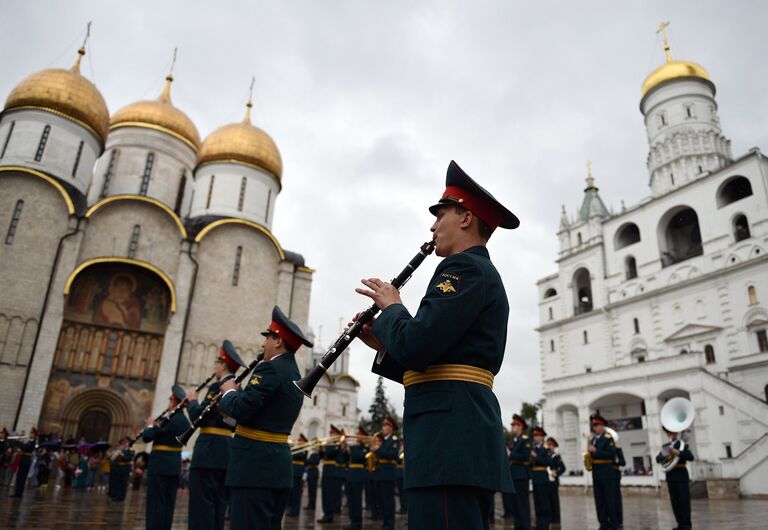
(520, 504)
(257, 508)
(375, 500)
(554, 502)
(449, 508)
(111, 480)
(329, 492)
(680, 497)
(311, 491)
(161, 501)
(401, 495)
(386, 491)
(604, 489)
(208, 499)
(355, 502)
(541, 502)
(338, 494)
(21, 477)
(118, 481)
(294, 497)
(619, 503)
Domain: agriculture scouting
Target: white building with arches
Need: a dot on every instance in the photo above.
(667, 298)
(131, 249)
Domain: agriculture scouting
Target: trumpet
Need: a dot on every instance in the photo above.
(300, 448)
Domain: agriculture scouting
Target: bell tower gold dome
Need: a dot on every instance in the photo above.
(159, 114)
(244, 143)
(66, 93)
(673, 70)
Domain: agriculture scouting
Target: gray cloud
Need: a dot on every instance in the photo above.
(369, 101)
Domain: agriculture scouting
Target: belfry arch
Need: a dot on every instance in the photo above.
(107, 357)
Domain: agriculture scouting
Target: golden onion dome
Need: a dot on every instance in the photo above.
(66, 93)
(159, 114)
(244, 143)
(673, 70)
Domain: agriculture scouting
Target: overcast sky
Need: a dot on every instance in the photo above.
(368, 102)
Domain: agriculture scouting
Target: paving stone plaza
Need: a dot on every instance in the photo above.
(59, 510)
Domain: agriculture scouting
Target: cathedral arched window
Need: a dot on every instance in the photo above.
(236, 270)
(741, 228)
(628, 234)
(180, 193)
(269, 201)
(241, 198)
(549, 293)
(7, 138)
(77, 157)
(630, 267)
(578, 238)
(14, 222)
(752, 293)
(210, 192)
(709, 354)
(134, 244)
(582, 285)
(41, 144)
(733, 190)
(109, 173)
(147, 174)
(680, 237)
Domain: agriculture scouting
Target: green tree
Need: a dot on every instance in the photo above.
(380, 408)
(530, 412)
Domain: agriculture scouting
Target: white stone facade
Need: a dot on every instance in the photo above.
(667, 298)
(85, 206)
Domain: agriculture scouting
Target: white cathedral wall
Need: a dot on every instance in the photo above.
(220, 310)
(172, 158)
(223, 198)
(109, 231)
(27, 265)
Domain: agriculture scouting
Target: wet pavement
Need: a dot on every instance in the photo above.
(79, 509)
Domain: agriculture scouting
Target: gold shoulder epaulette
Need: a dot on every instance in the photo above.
(525, 437)
(607, 435)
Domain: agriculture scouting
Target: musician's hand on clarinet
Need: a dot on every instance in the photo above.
(366, 335)
(591, 448)
(191, 395)
(382, 293)
(229, 384)
(149, 422)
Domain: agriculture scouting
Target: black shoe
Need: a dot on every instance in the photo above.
(325, 520)
(352, 526)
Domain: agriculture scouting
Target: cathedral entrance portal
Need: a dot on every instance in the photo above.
(111, 340)
(93, 426)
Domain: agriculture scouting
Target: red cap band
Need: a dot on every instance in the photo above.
(292, 341)
(479, 206)
(227, 359)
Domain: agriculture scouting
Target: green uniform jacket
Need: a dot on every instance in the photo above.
(605, 449)
(520, 458)
(386, 460)
(299, 460)
(166, 463)
(678, 474)
(357, 458)
(211, 450)
(329, 453)
(269, 402)
(542, 460)
(313, 461)
(462, 319)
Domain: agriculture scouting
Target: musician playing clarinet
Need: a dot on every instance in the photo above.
(260, 473)
(164, 467)
(678, 481)
(207, 493)
(446, 356)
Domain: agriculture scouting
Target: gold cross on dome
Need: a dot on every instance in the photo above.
(663, 31)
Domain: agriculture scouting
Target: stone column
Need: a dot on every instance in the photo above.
(50, 326)
(172, 342)
(654, 432)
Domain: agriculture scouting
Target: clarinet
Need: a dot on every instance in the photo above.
(164, 417)
(213, 406)
(307, 383)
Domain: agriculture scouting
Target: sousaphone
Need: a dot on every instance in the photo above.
(677, 415)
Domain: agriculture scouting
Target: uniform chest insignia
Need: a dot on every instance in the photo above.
(209, 396)
(255, 380)
(447, 283)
